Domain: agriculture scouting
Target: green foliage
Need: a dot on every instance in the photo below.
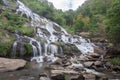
(67, 77)
(12, 22)
(27, 31)
(6, 41)
(28, 49)
(78, 26)
(96, 11)
(4, 49)
(114, 34)
(43, 8)
(69, 29)
(14, 19)
(115, 61)
(58, 43)
(113, 29)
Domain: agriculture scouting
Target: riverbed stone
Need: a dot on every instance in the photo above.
(94, 55)
(83, 58)
(11, 64)
(89, 76)
(98, 63)
(44, 78)
(62, 74)
(99, 51)
(88, 64)
(57, 67)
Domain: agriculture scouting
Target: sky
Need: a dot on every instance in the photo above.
(67, 4)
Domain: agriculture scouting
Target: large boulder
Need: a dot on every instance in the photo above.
(11, 64)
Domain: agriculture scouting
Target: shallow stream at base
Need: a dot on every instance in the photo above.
(33, 70)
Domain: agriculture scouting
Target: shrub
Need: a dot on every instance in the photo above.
(28, 50)
(5, 49)
(115, 61)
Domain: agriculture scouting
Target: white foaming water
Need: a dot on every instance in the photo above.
(14, 48)
(50, 32)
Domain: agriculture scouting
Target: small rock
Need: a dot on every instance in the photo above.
(83, 58)
(58, 77)
(64, 71)
(95, 55)
(108, 65)
(85, 34)
(88, 64)
(116, 68)
(56, 67)
(61, 74)
(44, 78)
(58, 62)
(98, 63)
(99, 51)
(89, 76)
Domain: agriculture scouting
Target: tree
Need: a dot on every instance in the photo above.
(78, 26)
(113, 28)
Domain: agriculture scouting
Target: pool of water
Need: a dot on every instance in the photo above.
(30, 72)
(33, 70)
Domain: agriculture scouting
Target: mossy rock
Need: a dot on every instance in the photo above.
(70, 49)
(58, 43)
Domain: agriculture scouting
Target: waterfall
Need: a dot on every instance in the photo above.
(34, 51)
(49, 32)
(39, 49)
(14, 48)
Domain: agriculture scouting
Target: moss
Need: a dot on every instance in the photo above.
(67, 77)
(70, 49)
(58, 43)
(6, 41)
(28, 50)
(27, 31)
(14, 19)
(13, 4)
(5, 48)
(115, 61)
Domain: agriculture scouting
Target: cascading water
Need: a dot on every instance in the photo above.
(14, 48)
(50, 32)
